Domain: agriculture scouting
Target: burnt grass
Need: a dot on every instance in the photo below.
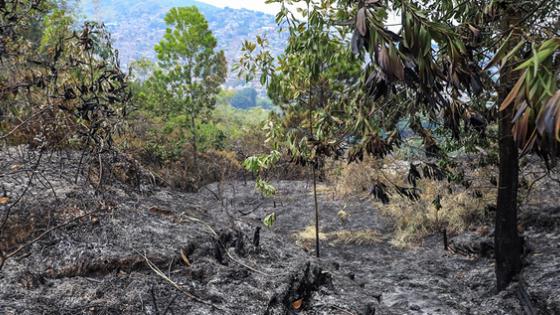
(214, 256)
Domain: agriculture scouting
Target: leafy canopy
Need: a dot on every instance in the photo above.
(191, 71)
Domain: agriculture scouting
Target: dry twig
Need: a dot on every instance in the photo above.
(162, 275)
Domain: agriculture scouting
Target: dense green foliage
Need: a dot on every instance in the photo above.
(190, 71)
(168, 133)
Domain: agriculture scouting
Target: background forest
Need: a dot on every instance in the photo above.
(347, 141)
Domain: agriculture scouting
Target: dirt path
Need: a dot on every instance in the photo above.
(207, 248)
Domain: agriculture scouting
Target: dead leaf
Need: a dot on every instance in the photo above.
(4, 200)
(476, 31)
(554, 103)
(545, 118)
(513, 93)
(296, 305)
(15, 167)
(530, 143)
(521, 128)
(520, 111)
(558, 120)
(185, 258)
(156, 210)
(361, 21)
(390, 63)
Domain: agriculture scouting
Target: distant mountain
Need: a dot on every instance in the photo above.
(136, 26)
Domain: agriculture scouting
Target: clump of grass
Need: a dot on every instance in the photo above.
(457, 211)
(441, 204)
(350, 179)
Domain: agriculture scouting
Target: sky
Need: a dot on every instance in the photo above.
(257, 5)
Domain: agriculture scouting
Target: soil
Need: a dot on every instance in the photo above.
(153, 250)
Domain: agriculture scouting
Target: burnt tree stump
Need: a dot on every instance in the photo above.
(295, 294)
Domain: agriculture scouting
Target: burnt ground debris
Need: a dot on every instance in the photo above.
(222, 261)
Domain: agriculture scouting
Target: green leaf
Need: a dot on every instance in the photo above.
(512, 52)
(265, 188)
(269, 220)
(538, 58)
(500, 53)
(251, 164)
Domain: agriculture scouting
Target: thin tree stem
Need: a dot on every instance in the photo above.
(317, 245)
(315, 161)
(195, 149)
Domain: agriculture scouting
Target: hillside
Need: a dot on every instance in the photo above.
(136, 26)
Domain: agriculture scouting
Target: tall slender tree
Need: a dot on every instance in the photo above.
(308, 82)
(192, 69)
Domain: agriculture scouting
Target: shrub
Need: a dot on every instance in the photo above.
(441, 204)
(212, 166)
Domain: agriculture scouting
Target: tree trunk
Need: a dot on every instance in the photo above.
(195, 151)
(507, 245)
(317, 245)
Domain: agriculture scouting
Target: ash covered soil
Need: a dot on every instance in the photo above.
(158, 251)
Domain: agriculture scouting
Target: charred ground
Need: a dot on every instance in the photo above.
(206, 243)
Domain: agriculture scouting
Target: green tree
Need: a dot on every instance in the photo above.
(192, 71)
(151, 92)
(308, 84)
(430, 71)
